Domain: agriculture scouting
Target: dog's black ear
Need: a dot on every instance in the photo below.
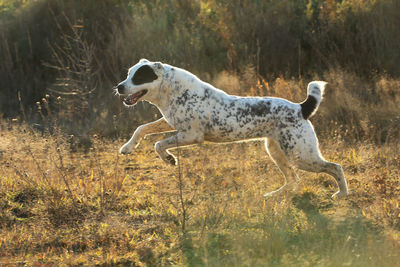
(144, 74)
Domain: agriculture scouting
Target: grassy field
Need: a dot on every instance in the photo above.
(68, 198)
(60, 204)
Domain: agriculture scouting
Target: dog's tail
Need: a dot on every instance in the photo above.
(315, 90)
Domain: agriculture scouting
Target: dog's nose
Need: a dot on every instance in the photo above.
(121, 88)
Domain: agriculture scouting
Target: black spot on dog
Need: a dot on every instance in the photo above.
(181, 100)
(206, 94)
(144, 74)
(308, 106)
(258, 109)
(171, 160)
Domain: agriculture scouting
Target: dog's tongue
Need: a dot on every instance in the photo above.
(131, 99)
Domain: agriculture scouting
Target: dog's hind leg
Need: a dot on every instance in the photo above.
(180, 139)
(336, 171)
(318, 165)
(305, 155)
(278, 157)
(157, 126)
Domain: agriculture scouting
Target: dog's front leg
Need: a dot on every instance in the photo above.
(180, 139)
(157, 126)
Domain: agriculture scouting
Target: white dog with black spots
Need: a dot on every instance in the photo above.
(199, 112)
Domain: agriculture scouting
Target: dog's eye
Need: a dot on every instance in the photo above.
(145, 74)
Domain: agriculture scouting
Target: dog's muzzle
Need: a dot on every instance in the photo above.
(121, 89)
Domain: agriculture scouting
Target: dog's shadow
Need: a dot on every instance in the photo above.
(311, 205)
(345, 227)
(307, 203)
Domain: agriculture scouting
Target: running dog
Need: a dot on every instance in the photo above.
(199, 112)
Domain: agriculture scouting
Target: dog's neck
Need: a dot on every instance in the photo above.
(162, 99)
(171, 86)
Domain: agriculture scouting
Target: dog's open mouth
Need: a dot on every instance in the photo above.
(133, 98)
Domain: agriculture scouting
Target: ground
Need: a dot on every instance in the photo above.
(65, 201)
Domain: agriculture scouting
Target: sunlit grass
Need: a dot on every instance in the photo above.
(101, 207)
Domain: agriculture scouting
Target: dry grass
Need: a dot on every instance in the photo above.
(72, 200)
(59, 206)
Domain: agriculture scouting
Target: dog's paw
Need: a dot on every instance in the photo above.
(125, 149)
(340, 194)
(170, 159)
(269, 194)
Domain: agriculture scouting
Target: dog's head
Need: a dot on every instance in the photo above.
(143, 82)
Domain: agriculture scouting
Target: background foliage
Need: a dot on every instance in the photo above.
(80, 49)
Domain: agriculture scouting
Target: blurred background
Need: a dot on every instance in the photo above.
(61, 58)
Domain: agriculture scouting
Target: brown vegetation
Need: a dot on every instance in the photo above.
(59, 206)
(79, 50)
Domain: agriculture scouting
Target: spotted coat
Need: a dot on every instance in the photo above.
(199, 112)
